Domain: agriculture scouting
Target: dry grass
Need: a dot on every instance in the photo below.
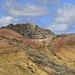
(41, 59)
(17, 64)
(25, 53)
(12, 34)
(65, 48)
(14, 61)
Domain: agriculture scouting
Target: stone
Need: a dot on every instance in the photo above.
(31, 31)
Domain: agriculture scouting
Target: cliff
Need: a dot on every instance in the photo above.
(31, 31)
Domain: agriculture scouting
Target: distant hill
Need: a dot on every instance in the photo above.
(31, 31)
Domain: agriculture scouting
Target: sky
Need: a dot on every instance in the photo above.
(55, 15)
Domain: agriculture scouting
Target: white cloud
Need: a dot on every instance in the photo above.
(66, 14)
(59, 28)
(47, 2)
(7, 20)
(64, 19)
(13, 8)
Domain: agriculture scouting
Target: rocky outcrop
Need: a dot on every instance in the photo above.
(31, 31)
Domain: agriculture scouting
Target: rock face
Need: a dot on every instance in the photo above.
(31, 31)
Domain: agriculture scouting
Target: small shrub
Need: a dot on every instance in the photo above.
(63, 35)
(14, 39)
(5, 37)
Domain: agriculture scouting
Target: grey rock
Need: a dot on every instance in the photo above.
(31, 31)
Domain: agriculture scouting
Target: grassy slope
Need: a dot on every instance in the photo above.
(64, 46)
(27, 52)
(14, 61)
(12, 34)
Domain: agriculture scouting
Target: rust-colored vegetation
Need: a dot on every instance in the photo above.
(12, 34)
(61, 42)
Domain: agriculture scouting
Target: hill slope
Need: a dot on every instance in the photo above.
(64, 46)
(24, 56)
(12, 34)
(14, 61)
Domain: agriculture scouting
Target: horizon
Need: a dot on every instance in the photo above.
(55, 15)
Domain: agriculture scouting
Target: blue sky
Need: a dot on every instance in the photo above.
(56, 15)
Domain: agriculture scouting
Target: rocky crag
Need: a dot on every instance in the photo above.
(31, 31)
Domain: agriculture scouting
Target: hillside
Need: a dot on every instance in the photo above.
(14, 61)
(64, 46)
(12, 34)
(23, 56)
(31, 31)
